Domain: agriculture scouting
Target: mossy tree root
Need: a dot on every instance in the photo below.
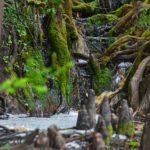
(120, 41)
(127, 20)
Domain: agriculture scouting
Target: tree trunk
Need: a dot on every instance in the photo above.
(1, 16)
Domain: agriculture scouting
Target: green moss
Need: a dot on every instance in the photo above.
(110, 133)
(72, 35)
(146, 33)
(68, 8)
(101, 77)
(84, 7)
(122, 10)
(101, 18)
(126, 128)
(58, 44)
(54, 62)
(147, 1)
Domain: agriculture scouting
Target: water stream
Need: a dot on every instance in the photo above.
(62, 121)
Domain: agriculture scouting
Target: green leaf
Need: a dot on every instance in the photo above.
(11, 90)
(133, 143)
(20, 83)
(6, 84)
(40, 89)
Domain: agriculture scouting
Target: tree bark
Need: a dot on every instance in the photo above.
(1, 16)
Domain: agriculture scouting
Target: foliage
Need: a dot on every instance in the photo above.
(19, 19)
(34, 82)
(102, 77)
(142, 20)
(105, 79)
(133, 143)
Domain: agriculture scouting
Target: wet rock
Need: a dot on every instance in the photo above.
(55, 138)
(125, 125)
(98, 142)
(124, 65)
(101, 127)
(83, 119)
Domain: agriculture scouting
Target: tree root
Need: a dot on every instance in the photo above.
(136, 81)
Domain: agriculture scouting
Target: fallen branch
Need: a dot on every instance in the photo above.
(108, 94)
(80, 137)
(80, 56)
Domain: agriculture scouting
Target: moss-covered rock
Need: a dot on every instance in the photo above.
(101, 18)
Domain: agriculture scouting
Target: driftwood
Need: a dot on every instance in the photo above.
(80, 137)
(136, 81)
(109, 94)
(80, 56)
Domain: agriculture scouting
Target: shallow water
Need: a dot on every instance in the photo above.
(62, 121)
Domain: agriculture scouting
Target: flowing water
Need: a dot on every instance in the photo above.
(62, 121)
